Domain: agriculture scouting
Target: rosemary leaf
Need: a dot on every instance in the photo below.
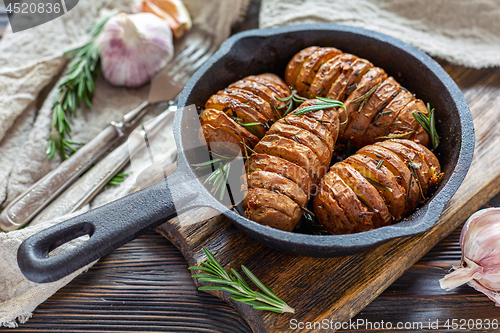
(319, 106)
(239, 290)
(77, 86)
(376, 183)
(429, 124)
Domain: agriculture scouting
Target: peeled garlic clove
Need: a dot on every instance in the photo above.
(480, 265)
(172, 11)
(133, 48)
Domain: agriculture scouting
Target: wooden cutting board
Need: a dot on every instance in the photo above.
(338, 288)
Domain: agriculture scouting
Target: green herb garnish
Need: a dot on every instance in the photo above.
(379, 164)
(218, 178)
(376, 183)
(429, 124)
(320, 106)
(77, 87)
(238, 288)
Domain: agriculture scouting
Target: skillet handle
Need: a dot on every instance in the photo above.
(109, 227)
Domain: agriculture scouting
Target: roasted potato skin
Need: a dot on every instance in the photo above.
(250, 100)
(388, 179)
(290, 155)
(350, 79)
(290, 160)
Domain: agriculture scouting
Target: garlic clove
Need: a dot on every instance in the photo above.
(172, 11)
(480, 266)
(133, 48)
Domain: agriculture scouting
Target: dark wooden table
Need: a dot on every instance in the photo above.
(145, 286)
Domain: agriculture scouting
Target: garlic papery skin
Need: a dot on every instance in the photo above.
(133, 48)
(172, 11)
(480, 265)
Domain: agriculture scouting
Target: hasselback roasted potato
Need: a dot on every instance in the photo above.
(242, 113)
(377, 107)
(287, 164)
(289, 151)
(377, 186)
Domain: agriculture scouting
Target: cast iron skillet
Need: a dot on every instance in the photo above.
(254, 52)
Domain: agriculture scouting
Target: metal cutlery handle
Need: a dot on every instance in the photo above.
(27, 205)
(85, 189)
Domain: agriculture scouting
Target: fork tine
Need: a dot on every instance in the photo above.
(183, 76)
(187, 61)
(185, 53)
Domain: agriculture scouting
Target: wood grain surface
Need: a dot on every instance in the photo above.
(145, 285)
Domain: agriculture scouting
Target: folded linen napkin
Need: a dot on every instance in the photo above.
(462, 32)
(30, 61)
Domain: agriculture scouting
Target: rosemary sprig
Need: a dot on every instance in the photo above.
(429, 124)
(218, 178)
(413, 169)
(376, 183)
(291, 100)
(313, 224)
(238, 288)
(379, 164)
(367, 204)
(364, 98)
(116, 180)
(248, 126)
(321, 106)
(78, 86)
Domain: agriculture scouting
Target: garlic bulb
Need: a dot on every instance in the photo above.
(480, 266)
(133, 48)
(172, 11)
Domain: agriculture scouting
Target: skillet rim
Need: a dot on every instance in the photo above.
(336, 245)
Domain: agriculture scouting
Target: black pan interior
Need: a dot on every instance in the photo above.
(260, 51)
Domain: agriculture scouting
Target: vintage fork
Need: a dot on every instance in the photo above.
(165, 86)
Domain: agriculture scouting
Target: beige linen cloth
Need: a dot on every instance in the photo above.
(464, 32)
(29, 62)
(461, 31)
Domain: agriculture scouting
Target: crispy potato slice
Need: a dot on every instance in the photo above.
(295, 65)
(260, 89)
(218, 118)
(289, 170)
(329, 72)
(272, 209)
(327, 117)
(382, 124)
(406, 122)
(348, 79)
(253, 100)
(233, 107)
(330, 214)
(398, 167)
(419, 168)
(366, 193)
(382, 96)
(429, 156)
(311, 66)
(279, 90)
(306, 138)
(314, 126)
(373, 77)
(220, 140)
(292, 151)
(275, 182)
(383, 180)
(359, 216)
(276, 80)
